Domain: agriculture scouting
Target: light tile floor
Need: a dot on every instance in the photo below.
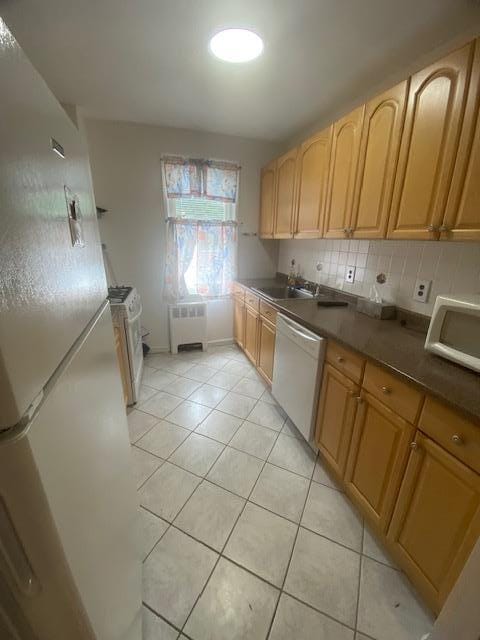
(244, 534)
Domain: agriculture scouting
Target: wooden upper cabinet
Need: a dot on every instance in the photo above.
(377, 458)
(267, 200)
(462, 217)
(343, 168)
(379, 148)
(312, 176)
(436, 104)
(285, 194)
(436, 520)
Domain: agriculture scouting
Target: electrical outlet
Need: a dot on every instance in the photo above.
(350, 274)
(422, 290)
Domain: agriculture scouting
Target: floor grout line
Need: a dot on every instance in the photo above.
(291, 553)
(359, 580)
(159, 615)
(226, 543)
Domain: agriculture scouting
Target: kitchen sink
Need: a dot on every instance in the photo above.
(283, 293)
(288, 293)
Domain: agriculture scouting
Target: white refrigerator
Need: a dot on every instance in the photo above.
(69, 559)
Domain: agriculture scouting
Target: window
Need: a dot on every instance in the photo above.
(201, 198)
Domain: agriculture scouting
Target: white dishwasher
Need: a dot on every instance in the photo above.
(297, 369)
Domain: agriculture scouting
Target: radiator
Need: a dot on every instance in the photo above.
(188, 324)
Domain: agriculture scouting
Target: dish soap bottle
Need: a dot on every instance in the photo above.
(292, 276)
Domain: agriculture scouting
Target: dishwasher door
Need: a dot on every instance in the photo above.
(297, 369)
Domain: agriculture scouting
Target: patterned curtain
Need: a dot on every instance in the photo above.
(201, 178)
(181, 243)
(201, 258)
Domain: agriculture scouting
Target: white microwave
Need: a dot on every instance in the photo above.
(454, 330)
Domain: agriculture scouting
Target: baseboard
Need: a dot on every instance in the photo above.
(213, 343)
(220, 342)
(159, 350)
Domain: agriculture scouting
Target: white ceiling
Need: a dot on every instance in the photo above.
(147, 60)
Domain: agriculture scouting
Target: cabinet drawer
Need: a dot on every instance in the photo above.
(238, 291)
(252, 300)
(399, 396)
(452, 431)
(346, 361)
(268, 312)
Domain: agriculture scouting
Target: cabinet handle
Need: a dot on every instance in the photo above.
(432, 228)
(386, 390)
(340, 359)
(456, 439)
(345, 231)
(444, 228)
(359, 399)
(414, 446)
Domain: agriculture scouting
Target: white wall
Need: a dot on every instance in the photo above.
(125, 161)
(460, 616)
(453, 267)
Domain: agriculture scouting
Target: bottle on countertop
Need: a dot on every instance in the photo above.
(292, 275)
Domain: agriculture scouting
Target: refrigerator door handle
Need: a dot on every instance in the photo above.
(13, 559)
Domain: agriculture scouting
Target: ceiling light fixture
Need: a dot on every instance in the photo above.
(236, 45)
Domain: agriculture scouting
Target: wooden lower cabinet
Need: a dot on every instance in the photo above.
(436, 521)
(239, 322)
(337, 408)
(377, 458)
(121, 362)
(251, 333)
(266, 348)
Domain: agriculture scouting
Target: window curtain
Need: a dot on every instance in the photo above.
(201, 252)
(201, 258)
(206, 178)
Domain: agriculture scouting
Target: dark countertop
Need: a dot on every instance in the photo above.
(387, 342)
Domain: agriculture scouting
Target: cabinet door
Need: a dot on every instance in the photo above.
(377, 458)
(251, 333)
(436, 520)
(285, 198)
(312, 176)
(429, 145)
(266, 349)
(342, 172)
(239, 322)
(462, 217)
(121, 358)
(379, 147)
(267, 200)
(337, 407)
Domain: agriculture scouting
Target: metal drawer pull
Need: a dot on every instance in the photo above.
(359, 399)
(340, 359)
(414, 445)
(386, 390)
(457, 439)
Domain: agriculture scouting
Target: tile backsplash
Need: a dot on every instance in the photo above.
(453, 267)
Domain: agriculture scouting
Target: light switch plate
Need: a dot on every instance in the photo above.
(350, 274)
(421, 292)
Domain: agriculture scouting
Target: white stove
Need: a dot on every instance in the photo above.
(126, 310)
